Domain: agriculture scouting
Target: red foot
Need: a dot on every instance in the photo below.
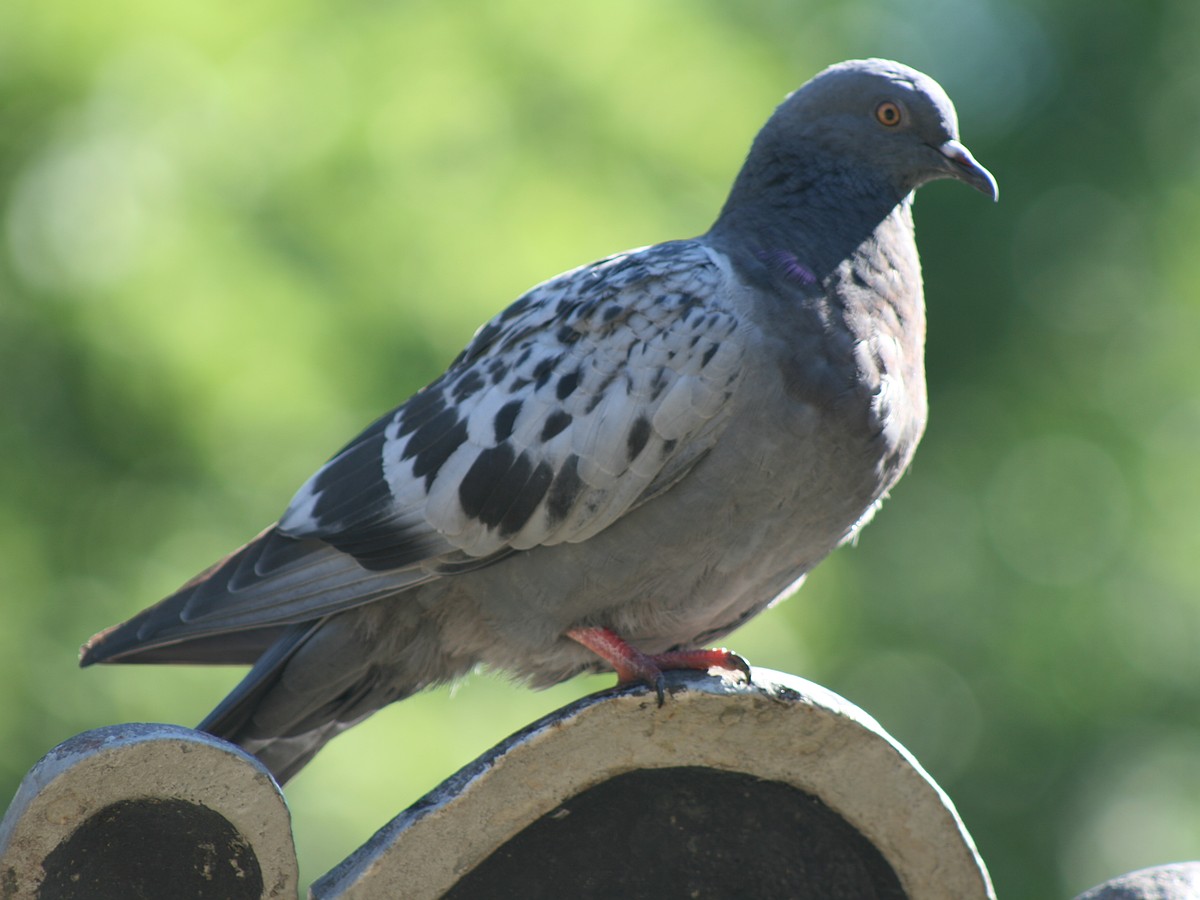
(632, 665)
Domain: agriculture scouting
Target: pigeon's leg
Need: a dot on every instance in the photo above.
(632, 665)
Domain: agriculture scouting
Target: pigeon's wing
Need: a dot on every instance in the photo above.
(590, 394)
(584, 397)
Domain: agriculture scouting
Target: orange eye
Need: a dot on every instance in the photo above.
(888, 113)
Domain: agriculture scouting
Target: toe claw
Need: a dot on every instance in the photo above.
(738, 663)
(633, 666)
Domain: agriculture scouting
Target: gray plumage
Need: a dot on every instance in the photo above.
(659, 444)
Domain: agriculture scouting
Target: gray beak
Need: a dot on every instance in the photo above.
(964, 167)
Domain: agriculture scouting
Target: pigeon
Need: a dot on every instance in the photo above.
(627, 463)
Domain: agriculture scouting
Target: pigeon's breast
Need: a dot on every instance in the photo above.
(884, 305)
(845, 358)
(885, 312)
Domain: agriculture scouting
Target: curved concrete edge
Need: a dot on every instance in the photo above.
(97, 768)
(780, 727)
(1173, 881)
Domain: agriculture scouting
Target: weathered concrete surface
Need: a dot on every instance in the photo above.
(1176, 881)
(779, 729)
(147, 810)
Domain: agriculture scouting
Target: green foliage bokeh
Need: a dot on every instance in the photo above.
(232, 234)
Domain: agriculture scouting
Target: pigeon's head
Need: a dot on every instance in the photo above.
(885, 118)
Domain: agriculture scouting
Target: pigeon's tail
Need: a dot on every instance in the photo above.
(323, 655)
(313, 683)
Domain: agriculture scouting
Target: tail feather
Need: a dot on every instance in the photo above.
(272, 582)
(286, 756)
(312, 684)
(233, 713)
(237, 648)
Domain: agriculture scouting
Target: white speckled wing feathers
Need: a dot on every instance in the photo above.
(589, 394)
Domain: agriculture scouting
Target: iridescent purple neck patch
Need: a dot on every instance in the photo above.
(785, 262)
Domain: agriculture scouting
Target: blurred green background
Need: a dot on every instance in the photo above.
(234, 233)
